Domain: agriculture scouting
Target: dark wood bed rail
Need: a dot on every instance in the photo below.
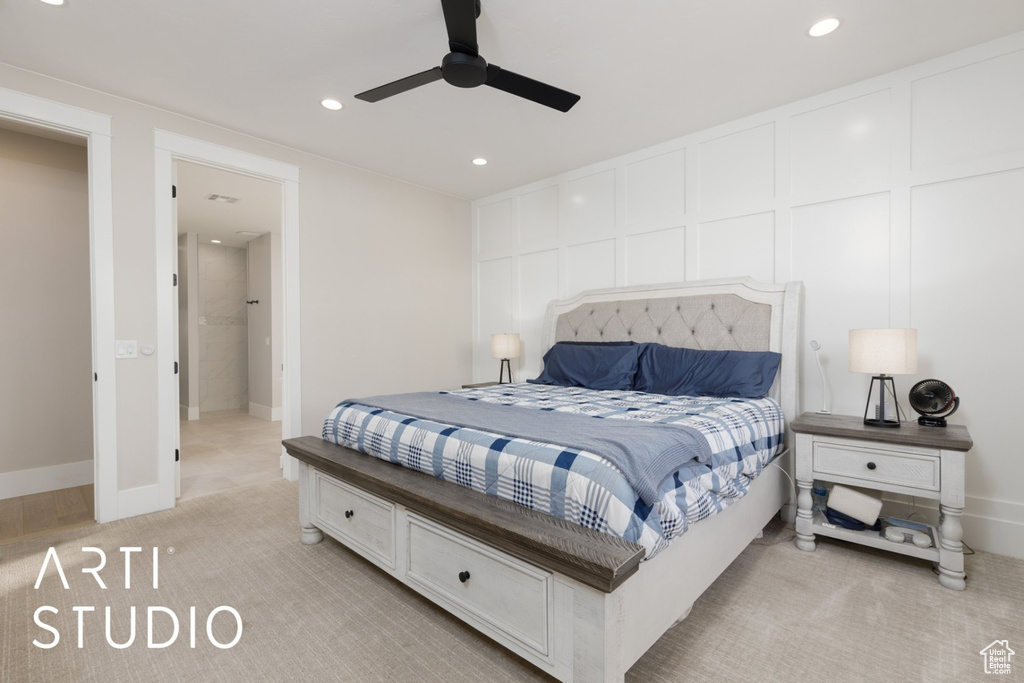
(590, 557)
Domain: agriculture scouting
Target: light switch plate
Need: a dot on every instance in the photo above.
(126, 348)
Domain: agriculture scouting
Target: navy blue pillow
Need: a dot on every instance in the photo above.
(594, 365)
(693, 372)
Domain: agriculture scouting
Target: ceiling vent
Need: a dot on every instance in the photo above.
(222, 198)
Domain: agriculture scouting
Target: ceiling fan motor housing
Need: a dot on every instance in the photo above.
(464, 71)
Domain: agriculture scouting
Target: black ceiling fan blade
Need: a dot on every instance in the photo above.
(541, 93)
(460, 18)
(401, 85)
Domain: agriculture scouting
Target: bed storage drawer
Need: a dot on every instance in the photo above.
(363, 519)
(919, 470)
(505, 594)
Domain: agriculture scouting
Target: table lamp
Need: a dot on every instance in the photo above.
(505, 347)
(883, 353)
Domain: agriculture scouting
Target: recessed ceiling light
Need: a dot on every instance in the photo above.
(823, 28)
(215, 241)
(333, 105)
(480, 161)
(248, 233)
(53, 2)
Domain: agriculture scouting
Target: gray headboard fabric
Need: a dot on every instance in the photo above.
(711, 321)
(729, 314)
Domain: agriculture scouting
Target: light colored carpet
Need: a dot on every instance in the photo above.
(320, 613)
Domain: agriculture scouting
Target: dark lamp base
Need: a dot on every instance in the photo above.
(505, 363)
(882, 421)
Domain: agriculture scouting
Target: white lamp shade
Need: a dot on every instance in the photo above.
(884, 352)
(505, 346)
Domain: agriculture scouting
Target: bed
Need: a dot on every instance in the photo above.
(582, 604)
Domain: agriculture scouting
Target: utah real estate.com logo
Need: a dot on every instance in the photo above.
(997, 657)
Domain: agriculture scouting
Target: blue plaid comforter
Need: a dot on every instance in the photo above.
(580, 487)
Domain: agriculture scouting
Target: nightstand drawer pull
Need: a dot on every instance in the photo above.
(349, 514)
(463, 577)
(872, 465)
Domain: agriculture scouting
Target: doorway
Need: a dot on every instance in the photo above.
(93, 457)
(228, 329)
(171, 148)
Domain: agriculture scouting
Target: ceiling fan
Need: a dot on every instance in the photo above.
(465, 68)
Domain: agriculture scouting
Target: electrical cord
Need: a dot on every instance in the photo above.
(792, 484)
(911, 509)
(899, 408)
(787, 538)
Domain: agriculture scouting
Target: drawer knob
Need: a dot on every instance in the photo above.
(348, 514)
(872, 465)
(463, 577)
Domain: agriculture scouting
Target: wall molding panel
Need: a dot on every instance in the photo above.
(893, 199)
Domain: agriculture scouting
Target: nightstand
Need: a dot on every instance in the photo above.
(479, 385)
(925, 462)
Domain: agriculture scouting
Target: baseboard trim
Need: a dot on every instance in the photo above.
(265, 412)
(992, 526)
(188, 412)
(40, 479)
(138, 501)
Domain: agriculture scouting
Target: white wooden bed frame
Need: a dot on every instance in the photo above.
(589, 634)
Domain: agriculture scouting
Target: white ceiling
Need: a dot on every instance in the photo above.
(647, 70)
(258, 208)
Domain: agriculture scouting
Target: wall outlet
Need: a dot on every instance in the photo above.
(126, 348)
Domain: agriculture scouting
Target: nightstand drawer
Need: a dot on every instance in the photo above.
(912, 470)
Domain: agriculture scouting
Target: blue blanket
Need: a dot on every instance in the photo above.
(645, 452)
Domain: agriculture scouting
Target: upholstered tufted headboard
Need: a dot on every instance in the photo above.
(738, 314)
(709, 321)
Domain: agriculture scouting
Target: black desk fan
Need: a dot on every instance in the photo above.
(934, 400)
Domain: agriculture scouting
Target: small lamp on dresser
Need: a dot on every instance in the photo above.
(883, 353)
(505, 347)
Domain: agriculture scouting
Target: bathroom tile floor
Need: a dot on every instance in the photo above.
(226, 450)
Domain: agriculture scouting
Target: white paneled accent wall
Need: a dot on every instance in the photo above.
(898, 201)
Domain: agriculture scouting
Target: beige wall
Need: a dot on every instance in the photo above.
(45, 359)
(385, 272)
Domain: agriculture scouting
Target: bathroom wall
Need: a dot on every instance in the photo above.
(265, 327)
(223, 329)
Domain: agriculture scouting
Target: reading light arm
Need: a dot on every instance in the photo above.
(824, 379)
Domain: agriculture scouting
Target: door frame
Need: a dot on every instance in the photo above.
(169, 147)
(95, 128)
